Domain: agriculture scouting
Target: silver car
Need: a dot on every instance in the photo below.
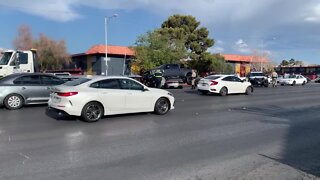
(20, 89)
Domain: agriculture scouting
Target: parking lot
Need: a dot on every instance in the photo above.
(205, 137)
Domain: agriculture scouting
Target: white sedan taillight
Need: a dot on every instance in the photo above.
(213, 83)
(66, 94)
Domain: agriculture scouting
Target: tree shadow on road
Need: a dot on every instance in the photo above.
(302, 144)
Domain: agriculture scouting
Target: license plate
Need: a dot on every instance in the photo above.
(204, 84)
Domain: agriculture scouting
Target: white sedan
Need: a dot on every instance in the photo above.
(223, 85)
(93, 97)
(293, 80)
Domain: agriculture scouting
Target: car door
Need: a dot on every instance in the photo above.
(30, 87)
(238, 85)
(48, 82)
(228, 82)
(111, 95)
(137, 99)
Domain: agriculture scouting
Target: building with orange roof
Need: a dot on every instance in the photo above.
(93, 60)
(242, 64)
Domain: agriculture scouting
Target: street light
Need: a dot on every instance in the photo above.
(106, 19)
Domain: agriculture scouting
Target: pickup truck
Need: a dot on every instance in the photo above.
(175, 70)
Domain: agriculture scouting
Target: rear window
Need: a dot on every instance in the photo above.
(77, 82)
(212, 77)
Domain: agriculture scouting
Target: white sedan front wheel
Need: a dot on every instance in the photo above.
(249, 90)
(162, 106)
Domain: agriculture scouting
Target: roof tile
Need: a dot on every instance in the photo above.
(116, 50)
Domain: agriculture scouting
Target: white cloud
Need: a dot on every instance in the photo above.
(242, 47)
(208, 11)
(58, 10)
(216, 49)
(314, 16)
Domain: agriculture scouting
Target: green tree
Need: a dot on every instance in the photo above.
(211, 63)
(197, 39)
(284, 63)
(156, 48)
(179, 37)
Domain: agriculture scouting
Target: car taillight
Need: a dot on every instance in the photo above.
(66, 94)
(213, 83)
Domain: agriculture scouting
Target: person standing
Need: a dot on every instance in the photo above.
(193, 76)
(158, 74)
(274, 77)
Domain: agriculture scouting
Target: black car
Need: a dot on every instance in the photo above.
(258, 79)
(20, 89)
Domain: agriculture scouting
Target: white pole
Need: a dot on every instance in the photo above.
(106, 42)
(124, 63)
(261, 55)
(106, 38)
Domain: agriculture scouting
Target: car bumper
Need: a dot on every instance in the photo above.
(209, 89)
(66, 107)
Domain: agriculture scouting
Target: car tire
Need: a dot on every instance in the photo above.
(92, 112)
(249, 90)
(223, 91)
(13, 102)
(162, 106)
(303, 83)
(189, 79)
(294, 83)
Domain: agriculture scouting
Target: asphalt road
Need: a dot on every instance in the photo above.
(205, 137)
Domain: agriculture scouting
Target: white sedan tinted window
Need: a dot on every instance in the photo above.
(129, 84)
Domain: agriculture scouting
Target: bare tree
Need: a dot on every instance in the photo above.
(51, 54)
(24, 39)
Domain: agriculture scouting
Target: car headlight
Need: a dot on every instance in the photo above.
(170, 94)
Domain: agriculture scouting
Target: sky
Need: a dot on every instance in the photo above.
(281, 29)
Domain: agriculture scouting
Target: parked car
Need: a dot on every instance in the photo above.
(93, 97)
(223, 85)
(173, 82)
(258, 79)
(21, 89)
(293, 80)
(177, 70)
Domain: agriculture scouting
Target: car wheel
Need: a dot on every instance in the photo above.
(189, 79)
(162, 106)
(294, 83)
(303, 83)
(92, 112)
(223, 91)
(249, 90)
(13, 101)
